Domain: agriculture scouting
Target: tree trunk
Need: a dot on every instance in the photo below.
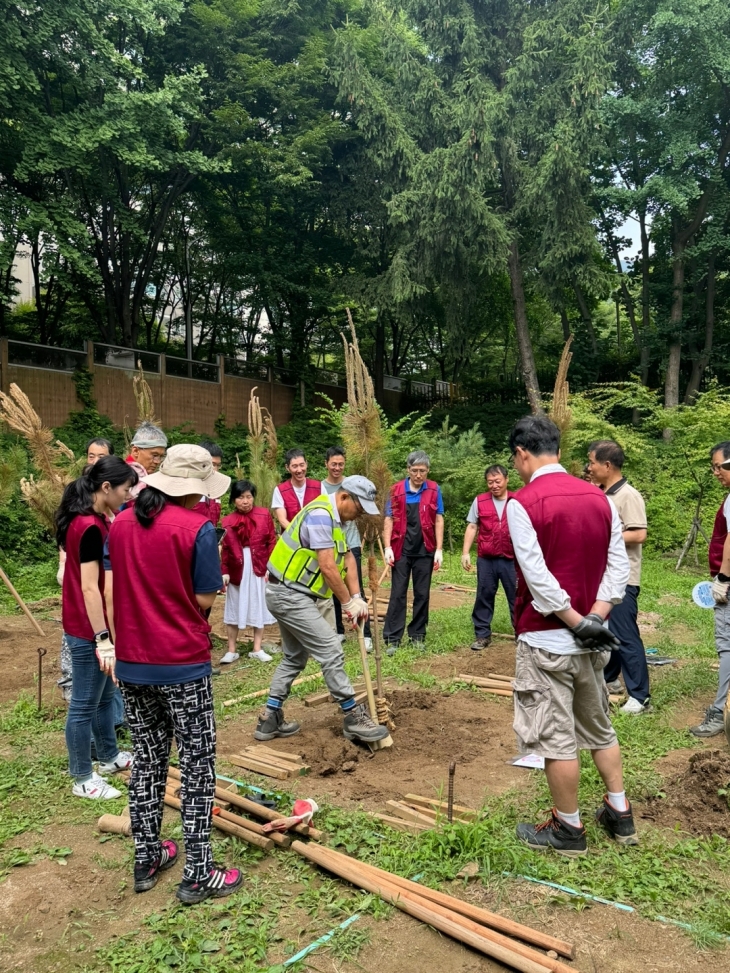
(703, 359)
(671, 381)
(527, 357)
(379, 363)
(586, 317)
(565, 323)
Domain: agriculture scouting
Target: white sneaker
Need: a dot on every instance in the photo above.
(369, 645)
(123, 761)
(634, 707)
(96, 788)
(229, 657)
(260, 656)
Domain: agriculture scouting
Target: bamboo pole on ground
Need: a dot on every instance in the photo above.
(265, 692)
(21, 604)
(266, 844)
(486, 941)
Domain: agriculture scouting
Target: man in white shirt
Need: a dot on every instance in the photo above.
(293, 494)
(572, 568)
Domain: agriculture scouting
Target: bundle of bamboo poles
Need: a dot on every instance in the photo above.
(493, 683)
(493, 935)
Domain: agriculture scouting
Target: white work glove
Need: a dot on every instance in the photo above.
(438, 560)
(720, 590)
(105, 653)
(355, 609)
(389, 556)
(466, 562)
(226, 580)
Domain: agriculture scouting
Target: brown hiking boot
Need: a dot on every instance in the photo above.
(478, 644)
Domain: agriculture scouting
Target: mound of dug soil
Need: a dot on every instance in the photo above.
(692, 798)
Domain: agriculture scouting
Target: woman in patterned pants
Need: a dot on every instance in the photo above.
(165, 571)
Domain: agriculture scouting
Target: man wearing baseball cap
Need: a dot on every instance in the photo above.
(310, 563)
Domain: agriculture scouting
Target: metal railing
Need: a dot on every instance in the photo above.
(201, 371)
(28, 355)
(117, 357)
(247, 369)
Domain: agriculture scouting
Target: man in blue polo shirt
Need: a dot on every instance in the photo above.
(413, 534)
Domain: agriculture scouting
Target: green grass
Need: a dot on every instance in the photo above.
(287, 903)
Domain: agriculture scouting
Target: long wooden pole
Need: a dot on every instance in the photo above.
(21, 604)
(375, 623)
(266, 844)
(419, 908)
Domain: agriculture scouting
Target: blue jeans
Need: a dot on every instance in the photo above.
(91, 711)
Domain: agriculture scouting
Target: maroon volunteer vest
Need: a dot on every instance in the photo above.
(427, 507)
(157, 620)
(572, 520)
(717, 541)
(493, 538)
(291, 501)
(75, 621)
(210, 509)
(257, 531)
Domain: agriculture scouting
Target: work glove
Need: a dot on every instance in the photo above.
(355, 609)
(389, 556)
(226, 580)
(590, 633)
(105, 653)
(466, 562)
(438, 560)
(720, 590)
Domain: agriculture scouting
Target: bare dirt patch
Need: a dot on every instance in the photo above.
(692, 797)
(19, 644)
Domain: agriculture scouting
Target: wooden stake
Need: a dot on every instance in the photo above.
(467, 813)
(21, 604)
(403, 811)
(265, 692)
(400, 824)
(266, 844)
(386, 741)
(480, 938)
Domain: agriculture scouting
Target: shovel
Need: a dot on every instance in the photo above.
(387, 741)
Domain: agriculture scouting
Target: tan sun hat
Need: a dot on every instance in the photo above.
(188, 469)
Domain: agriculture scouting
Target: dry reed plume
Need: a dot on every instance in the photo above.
(263, 445)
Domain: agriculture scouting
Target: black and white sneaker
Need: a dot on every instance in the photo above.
(145, 876)
(220, 882)
(556, 834)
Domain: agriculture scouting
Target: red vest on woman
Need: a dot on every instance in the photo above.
(254, 530)
(157, 620)
(493, 538)
(210, 509)
(427, 507)
(75, 620)
(717, 541)
(572, 520)
(291, 500)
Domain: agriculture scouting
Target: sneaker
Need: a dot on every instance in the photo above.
(228, 658)
(260, 656)
(359, 726)
(712, 725)
(272, 724)
(342, 638)
(619, 824)
(368, 644)
(615, 688)
(556, 834)
(122, 761)
(96, 789)
(391, 648)
(635, 707)
(145, 876)
(220, 882)
(418, 644)
(478, 644)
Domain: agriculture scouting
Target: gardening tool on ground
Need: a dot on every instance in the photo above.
(450, 806)
(388, 741)
(41, 653)
(21, 604)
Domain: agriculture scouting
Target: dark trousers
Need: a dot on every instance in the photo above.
(490, 571)
(155, 714)
(357, 554)
(395, 620)
(631, 657)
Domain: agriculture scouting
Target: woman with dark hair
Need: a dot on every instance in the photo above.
(164, 575)
(82, 526)
(247, 545)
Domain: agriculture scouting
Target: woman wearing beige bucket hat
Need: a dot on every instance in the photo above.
(165, 572)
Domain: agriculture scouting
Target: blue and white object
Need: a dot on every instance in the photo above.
(702, 595)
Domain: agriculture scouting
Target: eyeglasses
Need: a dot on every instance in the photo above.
(716, 467)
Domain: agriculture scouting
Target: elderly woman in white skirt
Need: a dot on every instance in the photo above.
(248, 542)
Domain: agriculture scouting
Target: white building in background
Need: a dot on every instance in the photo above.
(23, 273)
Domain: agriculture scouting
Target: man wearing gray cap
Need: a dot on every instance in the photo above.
(311, 562)
(148, 447)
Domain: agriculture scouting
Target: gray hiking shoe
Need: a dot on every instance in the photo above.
(480, 643)
(712, 725)
(615, 688)
(359, 726)
(272, 724)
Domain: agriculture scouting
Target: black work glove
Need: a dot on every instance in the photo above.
(591, 633)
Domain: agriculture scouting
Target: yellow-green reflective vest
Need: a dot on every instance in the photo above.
(290, 561)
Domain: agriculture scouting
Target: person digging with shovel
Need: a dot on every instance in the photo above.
(309, 564)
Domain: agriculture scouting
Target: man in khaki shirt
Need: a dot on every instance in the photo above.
(605, 461)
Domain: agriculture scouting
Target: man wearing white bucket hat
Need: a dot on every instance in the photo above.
(165, 571)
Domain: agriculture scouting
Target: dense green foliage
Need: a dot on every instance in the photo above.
(477, 180)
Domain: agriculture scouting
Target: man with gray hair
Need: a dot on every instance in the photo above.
(148, 447)
(413, 534)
